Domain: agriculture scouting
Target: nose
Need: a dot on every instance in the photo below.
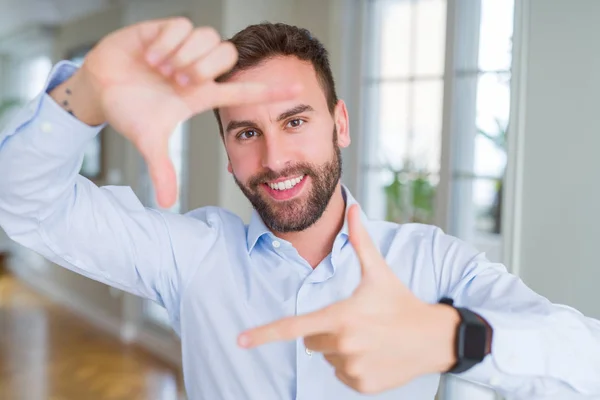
(276, 154)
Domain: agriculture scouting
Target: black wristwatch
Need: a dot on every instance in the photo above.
(471, 339)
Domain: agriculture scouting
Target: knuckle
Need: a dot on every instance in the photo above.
(208, 34)
(362, 386)
(183, 23)
(345, 344)
(354, 369)
(229, 51)
(365, 385)
(346, 320)
(199, 69)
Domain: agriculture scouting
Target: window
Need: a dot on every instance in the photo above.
(404, 82)
(493, 105)
(437, 96)
(404, 86)
(177, 153)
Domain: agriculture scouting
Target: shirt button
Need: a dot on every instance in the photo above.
(276, 244)
(46, 127)
(309, 352)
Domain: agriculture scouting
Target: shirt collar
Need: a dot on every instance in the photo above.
(257, 228)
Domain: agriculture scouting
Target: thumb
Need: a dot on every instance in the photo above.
(370, 259)
(162, 172)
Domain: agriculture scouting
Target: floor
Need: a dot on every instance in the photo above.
(47, 353)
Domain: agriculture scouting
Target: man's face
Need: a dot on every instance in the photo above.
(285, 156)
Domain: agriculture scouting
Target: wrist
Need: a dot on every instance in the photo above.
(489, 335)
(79, 96)
(447, 322)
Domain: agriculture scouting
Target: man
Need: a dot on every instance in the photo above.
(311, 300)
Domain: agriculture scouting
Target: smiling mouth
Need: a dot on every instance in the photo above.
(285, 184)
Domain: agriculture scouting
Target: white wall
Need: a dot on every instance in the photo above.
(557, 220)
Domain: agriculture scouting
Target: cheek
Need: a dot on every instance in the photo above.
(243, 164)
(315, 148)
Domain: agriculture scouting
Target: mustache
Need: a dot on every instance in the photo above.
(270, 175)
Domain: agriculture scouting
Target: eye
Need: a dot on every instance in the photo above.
(295, 123)
(246, 135)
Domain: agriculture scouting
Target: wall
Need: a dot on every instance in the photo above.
(557, 209)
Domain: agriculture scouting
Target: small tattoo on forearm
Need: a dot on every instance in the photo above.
(66, 102)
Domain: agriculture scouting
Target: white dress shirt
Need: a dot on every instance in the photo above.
(217, 277)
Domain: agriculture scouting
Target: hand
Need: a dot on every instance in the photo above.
(379, 338)
(148, 77)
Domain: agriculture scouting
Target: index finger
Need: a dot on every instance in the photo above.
(322, 321)
(216, 95)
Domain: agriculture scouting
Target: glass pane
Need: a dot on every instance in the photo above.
(430, 36)
(395, 19)
(426, 122)
(392, 124)
(487, 204)
(39, 69)
(375, 180)
(410, 197)
(493, 108)
(495, 35)
(177, 153)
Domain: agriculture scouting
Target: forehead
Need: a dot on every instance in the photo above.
(285, 70)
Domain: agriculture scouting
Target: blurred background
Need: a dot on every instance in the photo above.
(478, 116)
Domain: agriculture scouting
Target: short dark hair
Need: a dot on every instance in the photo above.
(260, 42)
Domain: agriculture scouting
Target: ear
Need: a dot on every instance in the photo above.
(342, 124)
(229, 168)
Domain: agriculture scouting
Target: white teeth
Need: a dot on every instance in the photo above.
(287, 184)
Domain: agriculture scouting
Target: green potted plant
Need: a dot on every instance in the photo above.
(410, 197)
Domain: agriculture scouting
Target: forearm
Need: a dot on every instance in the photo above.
(40, 158)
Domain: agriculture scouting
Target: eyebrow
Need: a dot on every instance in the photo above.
(232, 125)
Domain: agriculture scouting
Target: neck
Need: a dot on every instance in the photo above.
(315, 243)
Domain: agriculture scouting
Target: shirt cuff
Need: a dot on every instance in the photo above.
(517, 346)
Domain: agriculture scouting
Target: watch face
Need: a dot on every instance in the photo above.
(474, 342)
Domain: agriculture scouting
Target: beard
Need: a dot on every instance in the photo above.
(299, 213)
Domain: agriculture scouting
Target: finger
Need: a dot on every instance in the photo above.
(326, 343)
(365, 248)
(197, 45)
(161, 170)
(336, 343)
(346, 380)
(336, 360)
(290, 328)
(172, 34)
(215, 95)
(218, 61)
